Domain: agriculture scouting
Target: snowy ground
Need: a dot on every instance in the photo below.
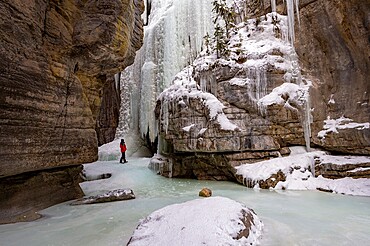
(297, 168)
(135, 148)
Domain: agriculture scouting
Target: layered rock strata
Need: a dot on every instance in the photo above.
(57, 62)
(333, 47)
(343, 166)
(221, 113)
(332, 59)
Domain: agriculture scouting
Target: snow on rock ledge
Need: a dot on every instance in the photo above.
(295, 172)
(206, 221)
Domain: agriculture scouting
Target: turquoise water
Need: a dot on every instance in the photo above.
(290, 217)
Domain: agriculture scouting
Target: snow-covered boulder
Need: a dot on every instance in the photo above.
(206, 221)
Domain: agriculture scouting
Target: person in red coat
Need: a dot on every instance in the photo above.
(123, 147)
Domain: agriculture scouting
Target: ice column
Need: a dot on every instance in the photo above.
(273, 6)
(172, 40)
(258, 76)
(307, 120)
(125, 112)
(291, 5)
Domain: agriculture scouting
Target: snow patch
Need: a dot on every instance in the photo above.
(334, 125)
(187, 128)
(342, 160)
(297, 167)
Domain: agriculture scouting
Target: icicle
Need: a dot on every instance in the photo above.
(258, 76)
(203, 84)
(290, 12)
(297, 11)
(291, 4)
(312, 166)
(165, 115)
(273, 6)
(307, 120)
(170, 168)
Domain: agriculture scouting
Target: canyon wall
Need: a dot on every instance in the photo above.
(333, 45)
(57, 89)
(331, 59)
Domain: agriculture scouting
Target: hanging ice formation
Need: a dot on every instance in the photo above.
(292, 6)
(273, 6)
(292, 9)
(172, 39)
(256, 72)
(257, 75)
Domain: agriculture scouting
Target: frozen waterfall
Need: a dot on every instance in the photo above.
(172, 40)
(291, 5)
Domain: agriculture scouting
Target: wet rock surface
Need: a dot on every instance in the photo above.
(58, 97)
(110, 196)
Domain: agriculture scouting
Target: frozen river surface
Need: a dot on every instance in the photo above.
(290, 217)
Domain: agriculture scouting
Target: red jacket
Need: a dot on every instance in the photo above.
(123, 147)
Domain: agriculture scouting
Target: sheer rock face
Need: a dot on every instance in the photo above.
(43, 189)
(57, 60)
(333, 45)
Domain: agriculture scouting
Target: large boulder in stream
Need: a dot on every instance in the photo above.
(206, 221)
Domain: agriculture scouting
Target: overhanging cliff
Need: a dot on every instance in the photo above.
(57, 62)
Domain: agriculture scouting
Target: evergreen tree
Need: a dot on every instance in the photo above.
(207, 43)
(225, 14)
(222, 49)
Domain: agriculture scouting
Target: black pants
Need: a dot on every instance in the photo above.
(123, 157)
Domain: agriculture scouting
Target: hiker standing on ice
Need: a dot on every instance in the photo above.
(123, 147)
